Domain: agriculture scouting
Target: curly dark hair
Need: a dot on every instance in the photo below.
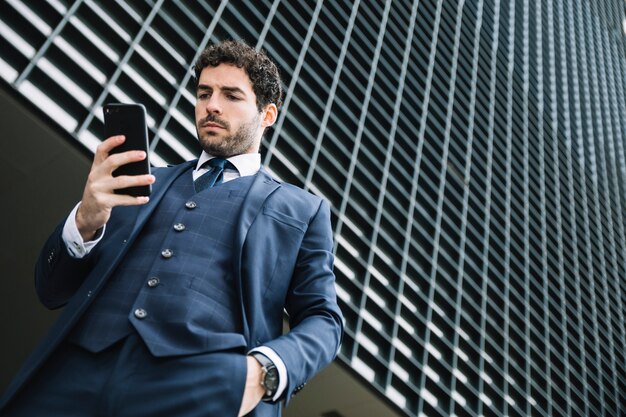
(261, 70)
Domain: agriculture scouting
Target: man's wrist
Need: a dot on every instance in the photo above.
(269, 377)
(87, 234)
(76, 246)
(280, 366)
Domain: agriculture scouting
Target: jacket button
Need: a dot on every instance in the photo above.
(153, 282)
(140, 313)
(167, 253)
(179, 227)
(191, 204)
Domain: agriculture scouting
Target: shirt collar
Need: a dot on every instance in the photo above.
(246, 163)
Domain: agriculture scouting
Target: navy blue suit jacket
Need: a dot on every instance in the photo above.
(283, 261)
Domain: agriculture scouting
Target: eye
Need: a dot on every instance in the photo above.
(232, 97)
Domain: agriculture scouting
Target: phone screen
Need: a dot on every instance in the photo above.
(129, 120)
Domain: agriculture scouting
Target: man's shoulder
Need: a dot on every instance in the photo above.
(295, 191)
(290, 198)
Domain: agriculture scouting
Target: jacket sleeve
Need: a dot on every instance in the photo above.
(57, 274)
(315, 319)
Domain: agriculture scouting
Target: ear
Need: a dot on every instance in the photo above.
(270, 113)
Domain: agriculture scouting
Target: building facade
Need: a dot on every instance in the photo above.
(472, 152)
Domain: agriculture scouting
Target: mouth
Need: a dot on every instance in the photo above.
(211, 125)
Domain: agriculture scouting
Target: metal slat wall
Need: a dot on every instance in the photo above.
(472, 152)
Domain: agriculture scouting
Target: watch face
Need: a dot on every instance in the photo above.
(271, 379)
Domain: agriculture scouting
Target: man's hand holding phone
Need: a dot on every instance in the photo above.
(99, 196)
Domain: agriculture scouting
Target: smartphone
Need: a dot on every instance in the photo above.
(129, 120)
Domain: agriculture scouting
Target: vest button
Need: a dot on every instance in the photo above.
(140, 313)
(167, 253)
(179, 227)
(191, 204)
(153, 282)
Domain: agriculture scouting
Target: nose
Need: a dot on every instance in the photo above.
(213, 105)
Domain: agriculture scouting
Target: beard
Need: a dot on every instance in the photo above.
(237, 143)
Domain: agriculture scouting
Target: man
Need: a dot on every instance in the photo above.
(174, 303)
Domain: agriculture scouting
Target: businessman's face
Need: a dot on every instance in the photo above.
(227, 119)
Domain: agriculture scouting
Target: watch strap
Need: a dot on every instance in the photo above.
(269, 370)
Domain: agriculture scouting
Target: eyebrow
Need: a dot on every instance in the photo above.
(227, 89)
(235, 90)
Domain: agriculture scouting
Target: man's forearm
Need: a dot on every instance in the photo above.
(57, 274)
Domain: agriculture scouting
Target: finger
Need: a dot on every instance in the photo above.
(127, 200)
(117, 160)
(102, 189)
(103, 202)
(103, 149)
(125, 181)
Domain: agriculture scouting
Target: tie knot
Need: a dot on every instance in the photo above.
(214, 175)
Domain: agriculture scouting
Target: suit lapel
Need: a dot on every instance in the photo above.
(262, 187)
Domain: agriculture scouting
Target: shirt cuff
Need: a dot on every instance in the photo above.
(74, 243)
(280, 367)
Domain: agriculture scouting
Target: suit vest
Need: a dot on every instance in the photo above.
(175, 286)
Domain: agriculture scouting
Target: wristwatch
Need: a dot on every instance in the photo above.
(270, 375)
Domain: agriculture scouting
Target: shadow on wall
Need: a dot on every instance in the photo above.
(41, 178)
